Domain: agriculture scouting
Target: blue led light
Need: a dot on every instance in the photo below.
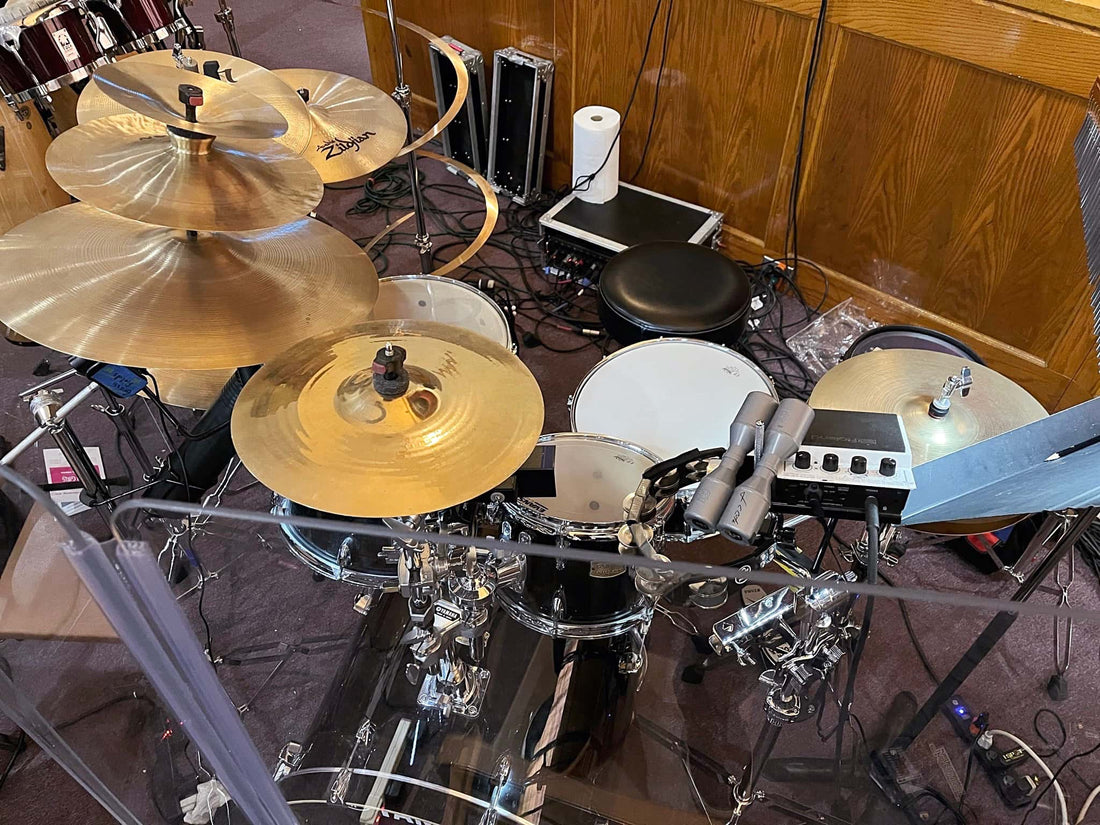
(961, 710)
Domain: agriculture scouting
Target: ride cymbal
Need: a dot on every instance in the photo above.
(187, 183)
(226, 109)
(357, 127)
(92, 284)
(312, 426)
(905, 382)
(94, 103)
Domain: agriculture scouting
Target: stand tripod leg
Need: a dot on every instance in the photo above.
(403, 97)
(996, 628)
(745, 790)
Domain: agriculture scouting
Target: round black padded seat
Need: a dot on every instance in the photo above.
(674, 289)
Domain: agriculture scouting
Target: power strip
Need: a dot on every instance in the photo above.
(1005, 768)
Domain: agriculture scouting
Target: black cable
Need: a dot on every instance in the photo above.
(20, 743)
(110, 703)
(582, 183)
(870, 509)
(1054, 778)
(791, 239)
(152, 392)
(1042, 738)
(917, 646)
(656, 93)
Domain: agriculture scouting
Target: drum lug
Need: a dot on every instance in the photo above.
(365, 602)
(290, 757)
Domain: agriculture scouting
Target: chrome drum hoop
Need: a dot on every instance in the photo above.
(511, 343)
(639, 617)
(306, 553)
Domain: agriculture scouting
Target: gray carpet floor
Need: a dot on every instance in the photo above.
(264, 597)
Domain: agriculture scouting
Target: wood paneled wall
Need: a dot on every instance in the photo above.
(938, 185)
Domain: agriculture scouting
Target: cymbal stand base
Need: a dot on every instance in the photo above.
(46, 406)
(403, 96)
(224, 15)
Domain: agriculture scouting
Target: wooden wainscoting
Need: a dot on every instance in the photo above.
(938, 185)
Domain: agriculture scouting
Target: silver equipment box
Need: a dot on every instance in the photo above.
(522, 84)
(466, 138)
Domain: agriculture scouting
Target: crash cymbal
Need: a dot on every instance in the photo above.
(194, 389)
(92, 284)
(311, 426)
(906, 381)
(94, 103)
(188, 183)
(227, 109)
(356, 126)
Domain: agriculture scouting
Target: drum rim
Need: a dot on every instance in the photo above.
(25, 9)
(304, 551)
(510, 603)
(468, 287)
(547, 525)
(574, 399)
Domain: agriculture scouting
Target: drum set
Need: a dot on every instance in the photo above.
(391, 418)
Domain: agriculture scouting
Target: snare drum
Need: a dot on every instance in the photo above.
(47, 44)
(449, 301)
(138, 24)
(668, 395)
(572, 599)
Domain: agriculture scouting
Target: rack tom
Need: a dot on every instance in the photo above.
(47, 44)
(593, 474)
(138, 24)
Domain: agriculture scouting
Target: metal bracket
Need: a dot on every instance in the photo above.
(3, 151)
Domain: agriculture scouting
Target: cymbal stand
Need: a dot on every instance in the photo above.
(403, 96)
(224, 15)
(125, 428)
(46, 407)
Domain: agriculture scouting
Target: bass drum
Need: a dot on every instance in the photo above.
(573, 599)
(446, 300)
(558, 716)
(668, 395)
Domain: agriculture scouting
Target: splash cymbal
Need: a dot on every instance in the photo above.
(357, 127)
(188, 183)
(94, 102)
(92, 284)
(227, 110)
(312, 427)
(905, 382)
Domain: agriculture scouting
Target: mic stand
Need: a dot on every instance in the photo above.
(403, 96)
(224, 15)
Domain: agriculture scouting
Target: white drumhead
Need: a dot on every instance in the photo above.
(668, 395)
(592, 476)
(432, 298)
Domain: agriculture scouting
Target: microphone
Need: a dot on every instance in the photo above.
(751, 501)
(715, 490)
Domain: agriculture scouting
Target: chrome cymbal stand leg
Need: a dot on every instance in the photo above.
(224, 15)
(404, 99)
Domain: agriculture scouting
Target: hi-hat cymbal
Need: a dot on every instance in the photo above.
(227, 109)
(188, 183)
(93, 284)
(94, 103)
(311, 426)
(356, 126)
(906, 381)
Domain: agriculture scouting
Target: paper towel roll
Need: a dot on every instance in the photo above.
(594, 132)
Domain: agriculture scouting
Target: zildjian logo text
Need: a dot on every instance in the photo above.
(337, 146)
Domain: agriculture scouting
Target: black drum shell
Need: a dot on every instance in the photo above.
(589, 592)
(364, 550)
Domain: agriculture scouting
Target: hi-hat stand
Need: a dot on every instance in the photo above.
(403, 96)
(224, 15)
